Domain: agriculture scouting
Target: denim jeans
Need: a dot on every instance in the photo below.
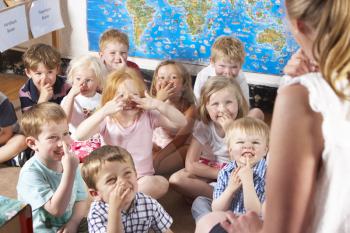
(200, 207)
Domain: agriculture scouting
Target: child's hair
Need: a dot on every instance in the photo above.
(87, 62)
(249, 126)
(188, 95)
(215, 84)
(228, 48)
(41, 53)
(115, 78)
(40, 114)
(93, 164)
(113, 35)
(329, 20)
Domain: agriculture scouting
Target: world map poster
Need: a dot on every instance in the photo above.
(186, 29)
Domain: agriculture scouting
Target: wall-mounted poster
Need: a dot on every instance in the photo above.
(185, 30)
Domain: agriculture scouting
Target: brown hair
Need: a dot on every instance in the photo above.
(329, 20)
(228, 48)
(215, 84)
(93, 164)
(41, 53)
(187, 95)
(113, 35)
(33, 119)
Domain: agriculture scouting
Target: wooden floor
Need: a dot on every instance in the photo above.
(10, 85)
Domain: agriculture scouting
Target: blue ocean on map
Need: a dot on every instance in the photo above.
(185, 30)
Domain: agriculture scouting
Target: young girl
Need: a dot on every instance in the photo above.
(172, 84)
(86, 74)
(221, 101)
(309, 159)
(127, 118)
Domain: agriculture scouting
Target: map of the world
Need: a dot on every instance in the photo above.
(185, 29)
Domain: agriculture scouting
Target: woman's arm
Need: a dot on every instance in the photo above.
(193, 165)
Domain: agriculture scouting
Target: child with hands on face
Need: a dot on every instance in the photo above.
(110, 175)
(172, 84)
(42, 63)
(241, 183)
(50, 181)
(221, 101)
(127, 118)
(86, 74)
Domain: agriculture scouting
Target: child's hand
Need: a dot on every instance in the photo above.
(245, 173)
(46, 91)
(225, 119)
(165, 91)
(69, 160)
(117, 198)
(147, 103)
(75, 90)
(299, 64)
(114, 105)
(234, 181)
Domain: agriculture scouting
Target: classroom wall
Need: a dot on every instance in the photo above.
(74, 42)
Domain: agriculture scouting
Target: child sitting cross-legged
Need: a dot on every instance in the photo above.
(110, 175)
(240, 185)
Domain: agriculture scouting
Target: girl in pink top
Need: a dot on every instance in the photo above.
(127, 118)
(172, 84)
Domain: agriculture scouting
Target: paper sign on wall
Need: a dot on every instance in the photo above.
(45, 16)
(13, 27)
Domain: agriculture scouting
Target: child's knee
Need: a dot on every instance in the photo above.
(176, 178)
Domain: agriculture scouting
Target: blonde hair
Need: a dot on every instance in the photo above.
(41, 53)
(228, 48)
(115, 36)
(215, 84)
(115, 78)
(187, 95)
(44, 113)
(329, 20)
(93, 164)
(249, 126)
(87, 62)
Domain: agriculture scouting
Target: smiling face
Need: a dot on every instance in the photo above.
(113, 53)
(49, 143)
(115, 173)
(169, 74)
(42, 75)
(243, 145)
(87, 81)
(220, 102)
(227, 68)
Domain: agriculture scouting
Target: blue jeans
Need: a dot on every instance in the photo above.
(200, 207)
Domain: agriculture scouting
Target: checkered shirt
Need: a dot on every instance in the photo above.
(237, 205)
(144, 214)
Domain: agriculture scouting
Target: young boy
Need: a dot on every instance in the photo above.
(11, 142)
(114, 48)
(50, 181)
(110, 175)
(241, 183)
(41, 63)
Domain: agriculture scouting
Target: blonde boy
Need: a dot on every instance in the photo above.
(114, 48)
(50, 181)
(41, 63)
(227, 57)
(110, 175)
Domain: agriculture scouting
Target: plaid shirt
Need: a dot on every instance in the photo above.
(144, 214)
(237, 205)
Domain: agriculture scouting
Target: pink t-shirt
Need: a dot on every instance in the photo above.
(136, 139)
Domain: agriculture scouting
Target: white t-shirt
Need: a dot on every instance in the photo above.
(208, 72)
(331, 204)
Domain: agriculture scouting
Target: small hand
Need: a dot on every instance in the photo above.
(147, 103)
(165, 91)
(114, 105)
(299, 64)
(121, 65)
(234, 181)
(248, 223)
(46, 91)
(75, 90)
(117, 198)
(245, 173)
(225, 119)
(69, 160)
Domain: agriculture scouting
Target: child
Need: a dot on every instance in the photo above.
(172, 84)
(114, 48)
(227, 57)
(221, 102)
(50, 181)
(11, 142)
(127, 118)
(110, 175)
(241, 183)
(41, 63)
(86, 74)
(309, 158)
